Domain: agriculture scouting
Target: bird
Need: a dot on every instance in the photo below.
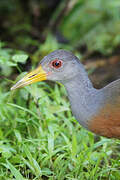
(97, 110)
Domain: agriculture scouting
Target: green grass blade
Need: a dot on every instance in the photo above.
(14, 171)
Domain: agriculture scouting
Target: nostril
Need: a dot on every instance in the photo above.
(32, 76)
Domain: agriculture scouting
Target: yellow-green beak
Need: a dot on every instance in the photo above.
(36, 75)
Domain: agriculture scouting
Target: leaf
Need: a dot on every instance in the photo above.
(6, 151)
(33, 163)
(74, 145)
(24, 109)
(20, 58)
(18, 135)
(14, 171)
(50, 144)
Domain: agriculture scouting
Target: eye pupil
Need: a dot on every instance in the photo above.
(56, 63)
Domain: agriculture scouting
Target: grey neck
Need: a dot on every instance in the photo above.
(82, 96)
(79, 85)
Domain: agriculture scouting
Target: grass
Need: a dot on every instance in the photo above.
(40, 139)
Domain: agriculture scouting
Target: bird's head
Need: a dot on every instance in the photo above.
(60, 65)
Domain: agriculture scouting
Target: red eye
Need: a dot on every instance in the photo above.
(56, 63)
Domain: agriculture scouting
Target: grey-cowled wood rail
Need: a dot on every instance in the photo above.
(96, 110)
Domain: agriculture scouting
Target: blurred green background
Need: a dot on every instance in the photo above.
(39, 137)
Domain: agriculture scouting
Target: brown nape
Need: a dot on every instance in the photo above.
(107, 121)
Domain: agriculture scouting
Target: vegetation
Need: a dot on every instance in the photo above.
(39, 137)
